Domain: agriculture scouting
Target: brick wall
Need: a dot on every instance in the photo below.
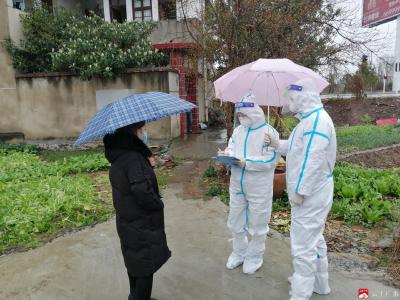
(187, 87)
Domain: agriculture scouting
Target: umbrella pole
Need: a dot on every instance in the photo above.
(268, 115)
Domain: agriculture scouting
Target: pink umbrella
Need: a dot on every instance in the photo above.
(267, 79)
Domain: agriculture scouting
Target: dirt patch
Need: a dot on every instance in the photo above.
(350, 112)
(356, 239)
(382, 159)
(341, 238)
(189, 174)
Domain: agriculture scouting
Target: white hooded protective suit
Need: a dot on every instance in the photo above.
(310, 160)
(251, 188)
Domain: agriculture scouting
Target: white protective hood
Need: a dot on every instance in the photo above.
(255, 114)
(306, 100)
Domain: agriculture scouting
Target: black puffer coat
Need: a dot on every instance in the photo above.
(138, 205)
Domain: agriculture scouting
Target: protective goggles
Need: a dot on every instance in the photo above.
(294, 87)
(244, 104)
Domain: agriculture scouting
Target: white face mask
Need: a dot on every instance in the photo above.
(292, 103)
(245, 121)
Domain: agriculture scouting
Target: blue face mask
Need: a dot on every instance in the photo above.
(145, 137)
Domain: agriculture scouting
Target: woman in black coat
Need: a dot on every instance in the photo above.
(138, 206)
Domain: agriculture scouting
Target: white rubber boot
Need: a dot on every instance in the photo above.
(252, 264)
(234, 261)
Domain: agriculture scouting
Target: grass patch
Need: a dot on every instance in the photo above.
(354, 138)
(179, 159)
(365, 137)
(281, 204)
(8, 148)
(37, 209)
(40, 198)
(161, 178)
(43, 193)
(210, 172)
(23, 166)
(217, 190)
(215, 183)
(51, 156)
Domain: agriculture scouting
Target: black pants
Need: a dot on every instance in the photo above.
(140, 287)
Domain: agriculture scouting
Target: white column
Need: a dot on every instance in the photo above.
(106, 8)
(129, 10)
(154, 8)
(396, 73)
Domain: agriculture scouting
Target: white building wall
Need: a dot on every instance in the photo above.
(106, 9)
(14, 24)
(129, 10)
(154, 6)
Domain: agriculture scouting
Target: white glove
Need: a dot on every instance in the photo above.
(296, 199)
(271, 141)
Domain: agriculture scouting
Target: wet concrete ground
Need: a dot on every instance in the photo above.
(88, 264)
(202, 146)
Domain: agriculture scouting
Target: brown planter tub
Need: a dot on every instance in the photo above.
(279, 183)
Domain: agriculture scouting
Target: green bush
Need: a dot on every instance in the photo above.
(66, 41)
(43, 31)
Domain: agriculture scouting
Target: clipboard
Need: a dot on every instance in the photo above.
(226, 160)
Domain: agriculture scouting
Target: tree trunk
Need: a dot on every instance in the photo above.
(229, 109)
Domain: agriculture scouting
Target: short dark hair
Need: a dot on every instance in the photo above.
(130, 129)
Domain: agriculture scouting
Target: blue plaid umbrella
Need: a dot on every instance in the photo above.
(147, 107)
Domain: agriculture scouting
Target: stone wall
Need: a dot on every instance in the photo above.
(60, 105)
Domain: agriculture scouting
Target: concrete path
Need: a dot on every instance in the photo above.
(88, 264)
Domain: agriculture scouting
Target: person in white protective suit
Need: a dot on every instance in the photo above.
(251, 186)
(310, 159)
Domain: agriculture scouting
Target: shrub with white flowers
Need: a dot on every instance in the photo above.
(88, 46)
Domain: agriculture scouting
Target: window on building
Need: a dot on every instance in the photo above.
(19, 4)
(28, 5)
(167, 9)
(118, 10)
(93, 7)
(142, 10)
(48, 3)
